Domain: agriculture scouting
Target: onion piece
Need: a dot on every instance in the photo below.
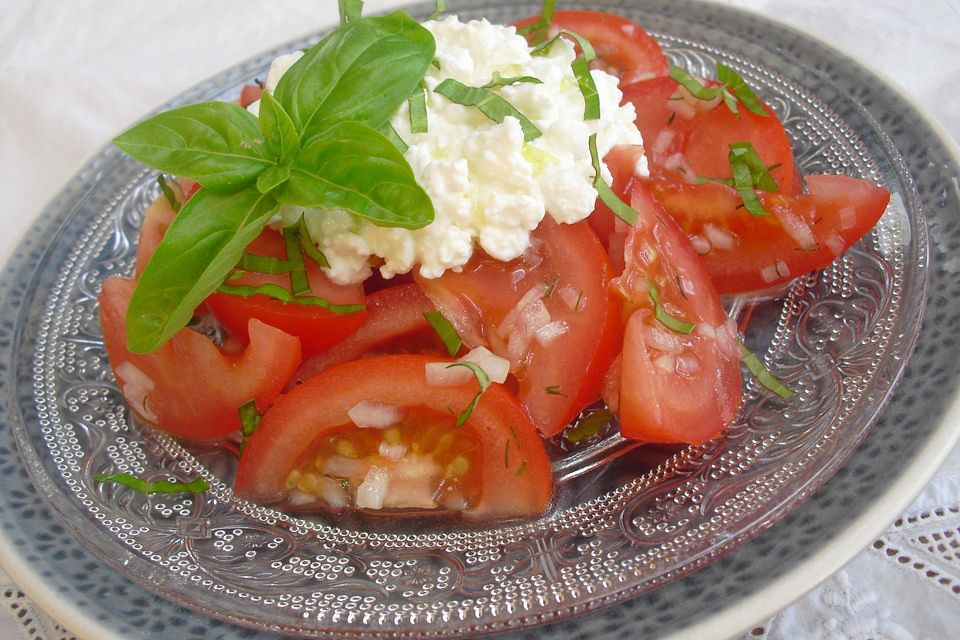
(796, 228)
(700, 244)
(393, 452)
(768, 273)
(375, 415)
(344, 467)
(664, 341)
(535, 292)
(834, 242)
(848, 217)
(494, 366)
(666, 362)
(550, 331)
(135, 386)
(688, 365)
(373, 490)
(719, 238)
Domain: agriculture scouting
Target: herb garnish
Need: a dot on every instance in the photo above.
(489, 103)
(329, 102)
(581, 70)
(199, 485)
(762, 374)
(171, 191)
(499, 81)
(482, 379)
(250, 418)
(540, 25)
(620, 208)
(667, 320)
(732, 89)
(448, 334)
(417, 103)
(589, 426)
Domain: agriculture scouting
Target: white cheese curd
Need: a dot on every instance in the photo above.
(488, 186)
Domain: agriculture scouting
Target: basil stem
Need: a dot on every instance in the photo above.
(171, 191)
(438, 8)
(489, 103)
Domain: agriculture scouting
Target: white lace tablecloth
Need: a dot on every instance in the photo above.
(73, 75)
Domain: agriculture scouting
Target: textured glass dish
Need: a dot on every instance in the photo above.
(840, 338)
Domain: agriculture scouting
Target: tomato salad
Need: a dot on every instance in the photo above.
(436, 393)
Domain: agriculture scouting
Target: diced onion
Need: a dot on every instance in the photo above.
(550, 331)
(834, 242)
(441, 374)
(688, 365)
(392, 451)
(570, 296)
(666, 363)
(376, 415)
(333, 493)
(707, 330)
(373, 490)
(768, 273)
(796, 228)
(665, 341)
(494, 366)
(136, 386)
(662, 142)
(344, 467)
(674, 161)
(782, 269)
(719, 238)
(700, 244)
(535, 293)
(848, 217)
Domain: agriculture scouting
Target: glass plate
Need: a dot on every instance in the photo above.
(840, 337)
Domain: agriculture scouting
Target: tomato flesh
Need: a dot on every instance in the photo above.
(189, 387)
(513, 475)
(623, 47)
(803, 233)
(673, 386)
(318, 328)
(549, 312)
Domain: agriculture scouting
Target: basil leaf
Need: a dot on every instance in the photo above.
(667, 320)
(448, 334)
(499, 81)
(250, 418)
(749, 172)
(272, 178)
(589, 426)
(355, 167)
(759, 371)
(362, 71)
(279, 133)
(482, 379)
(199, 485)
(738, 87)
(214, 143)
(299, 283)
(620, 208)
(694, 86)
(262, 264)
(391, 134)
(350, 10)
(308, 246)
(490, 104)
(205, 241)
(277, 292)
(417, 103)
(759, 174)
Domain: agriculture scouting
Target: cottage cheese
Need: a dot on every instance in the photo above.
(488, 186)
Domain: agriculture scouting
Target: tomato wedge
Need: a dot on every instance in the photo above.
(623, 47)
(318, 328)
(744, 252)
(679, 375)
(308, 445)
(687, 139)
(188, 387)
(549, 312)
(395, 324)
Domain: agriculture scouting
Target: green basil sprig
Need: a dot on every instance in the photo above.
(315, 144)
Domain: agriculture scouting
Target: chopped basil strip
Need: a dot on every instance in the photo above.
(506, 453)
(738, 87)
(391, 134)
(694, 86)
(279, 293)
(171, 191)
(449, 336)
(490, 104)
(439, 8)
(589, 426)
(762, 374)
(482, 379)
(667, 320)
(418, 110)
(541, 24)
(581, 70)
(299, 283)
(522, 468)
(500, 81)
(554, 390)
(198, 485)
(749, 172)
(308, 246)
(350, 10)
(620, 208)
(262, 264)
(250, 418)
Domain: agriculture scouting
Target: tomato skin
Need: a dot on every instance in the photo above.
(156, 220)
(395, 323)
(676, 402)
(317, 328)
(302, 417)
(684, 142)
(837, 210)
(198, 387)
(555, 380)
(623, 46)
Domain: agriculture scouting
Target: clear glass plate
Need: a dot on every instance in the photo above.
(624, 520)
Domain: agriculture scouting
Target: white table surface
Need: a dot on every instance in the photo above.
(73, 75)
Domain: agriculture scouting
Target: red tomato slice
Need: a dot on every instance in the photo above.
(610, 230)
(623, 47)
(549, 312)
(744, 252)
(317, 328)
(511, 472)
(395, 324)
(156, 219)
(188, 387)
(688, 138)
(674, 386)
